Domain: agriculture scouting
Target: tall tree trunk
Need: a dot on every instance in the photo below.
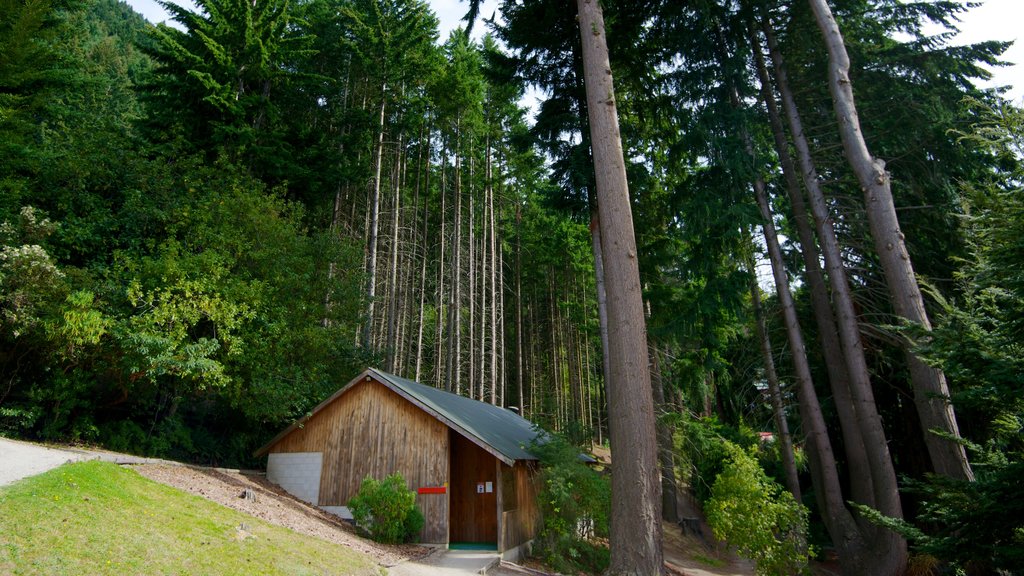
(602, 295)
(455, 310)
(392, 320)
(666, 447)
(861, 484)
(484, 312)
(500, 330)
(553, 325)
(495, 297)
(774, 389)
(423, 264)
(886, 549)
(519, 311)
(931, 393)
(374, 225)
(855, 556)
(471, 274)
(440, 378)
(636, 488)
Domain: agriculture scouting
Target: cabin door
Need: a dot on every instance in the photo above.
(474, 493)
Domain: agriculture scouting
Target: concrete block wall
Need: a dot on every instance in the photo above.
(298, 473)
(341, 511)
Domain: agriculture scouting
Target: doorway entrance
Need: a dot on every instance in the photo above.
(473, 494)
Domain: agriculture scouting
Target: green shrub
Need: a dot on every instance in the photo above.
(701, 452)
(575, 504)
(754, 513)
(387, 510)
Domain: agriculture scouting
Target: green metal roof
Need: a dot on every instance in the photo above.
(502, 430)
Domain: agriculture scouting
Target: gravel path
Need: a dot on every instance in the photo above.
(21, 459)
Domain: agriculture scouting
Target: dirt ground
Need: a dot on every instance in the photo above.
(690, 555)
(275, 506)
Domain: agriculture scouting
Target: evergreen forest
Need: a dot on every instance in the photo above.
(207, 227)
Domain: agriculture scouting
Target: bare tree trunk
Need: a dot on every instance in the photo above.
(861, 483)
(471, 274)
(519, 310)
(774, 389)
(374, 225)
(666, 447)
(394, 292)
(602, 296)
(493, 280)
(636, 534)
(885, 550)
(531, 358)
(423, 265)
(553, 325)
(440, 376)
(455, 310)
(590, 393)
(931, 393)
(500, 327)
(846, 535)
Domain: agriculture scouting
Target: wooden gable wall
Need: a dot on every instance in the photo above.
(372, 431)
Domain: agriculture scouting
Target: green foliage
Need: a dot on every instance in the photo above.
(223, 315)
(976, 527)
(758, 516)
(216, 84)
(702, 448)
(979, 343)
(387, 510)
(30, 282)
(575, 504)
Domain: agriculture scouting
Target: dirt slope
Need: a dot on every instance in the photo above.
(269, 502)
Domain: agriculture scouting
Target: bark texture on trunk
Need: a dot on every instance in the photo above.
(666, 450)
(871, 549)
(861, 484)
(883, 493)
(391, 345)
(856, 555)
(519, 313)
(931, 393)
(636, 486)
(774, 389)
(602, 296)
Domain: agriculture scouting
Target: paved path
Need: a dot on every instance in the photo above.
(21, 459)
(444, 562)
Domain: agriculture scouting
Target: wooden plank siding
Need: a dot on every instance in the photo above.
(520, 516)
(372, 431)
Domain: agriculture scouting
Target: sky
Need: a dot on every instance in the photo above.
(993, 20)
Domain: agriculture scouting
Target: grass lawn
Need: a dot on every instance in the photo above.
(99, 518)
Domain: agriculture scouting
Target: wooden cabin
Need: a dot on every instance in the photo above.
(475, 481)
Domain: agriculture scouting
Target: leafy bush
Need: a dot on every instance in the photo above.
(756, 515)
(387, 510)
(575, 505)
(701, 450)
